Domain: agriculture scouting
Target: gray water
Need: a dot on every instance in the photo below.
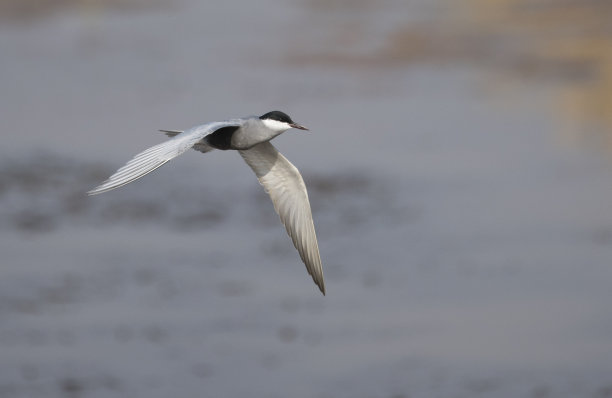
(467, 244)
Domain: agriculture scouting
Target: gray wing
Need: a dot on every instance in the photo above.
(283, 182)
(200, 146)
(155, 157)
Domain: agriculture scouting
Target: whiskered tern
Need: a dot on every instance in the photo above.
(251, 137)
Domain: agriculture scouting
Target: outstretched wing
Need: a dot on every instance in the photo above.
(200, 146)
(283, 182)
(154, 157)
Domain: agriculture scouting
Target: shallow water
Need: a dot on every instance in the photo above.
(466, 242)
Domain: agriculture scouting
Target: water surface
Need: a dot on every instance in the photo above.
(466, 240)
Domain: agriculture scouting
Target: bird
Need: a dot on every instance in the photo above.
(250, 136)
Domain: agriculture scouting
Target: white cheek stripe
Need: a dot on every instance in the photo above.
(275, 124)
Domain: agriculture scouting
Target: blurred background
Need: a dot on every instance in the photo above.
(459, 169)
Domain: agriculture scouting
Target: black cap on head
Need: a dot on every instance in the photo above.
(277, 115)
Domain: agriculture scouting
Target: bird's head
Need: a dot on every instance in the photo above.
(279, 121)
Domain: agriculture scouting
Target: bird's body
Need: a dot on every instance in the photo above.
(250, 136)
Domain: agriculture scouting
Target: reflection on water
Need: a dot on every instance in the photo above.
(568, 40)
(564, 43)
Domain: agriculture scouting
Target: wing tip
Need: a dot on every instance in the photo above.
(101, 189)
(320, 284)
(94, 191)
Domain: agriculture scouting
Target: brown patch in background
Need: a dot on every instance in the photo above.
(566, 43)
(22, 10)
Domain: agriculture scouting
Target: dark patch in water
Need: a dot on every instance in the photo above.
(332, 185)
(45, 192)
(136, 210)
(234, 288)
(33, 221)
(71, 387)
(287, 334)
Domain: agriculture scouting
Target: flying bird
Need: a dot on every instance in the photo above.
(250, 136)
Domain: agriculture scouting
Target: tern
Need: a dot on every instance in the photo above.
(250, 136)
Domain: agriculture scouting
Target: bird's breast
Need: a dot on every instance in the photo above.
(251, 134)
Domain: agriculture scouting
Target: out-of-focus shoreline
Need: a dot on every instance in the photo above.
(17, 11)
